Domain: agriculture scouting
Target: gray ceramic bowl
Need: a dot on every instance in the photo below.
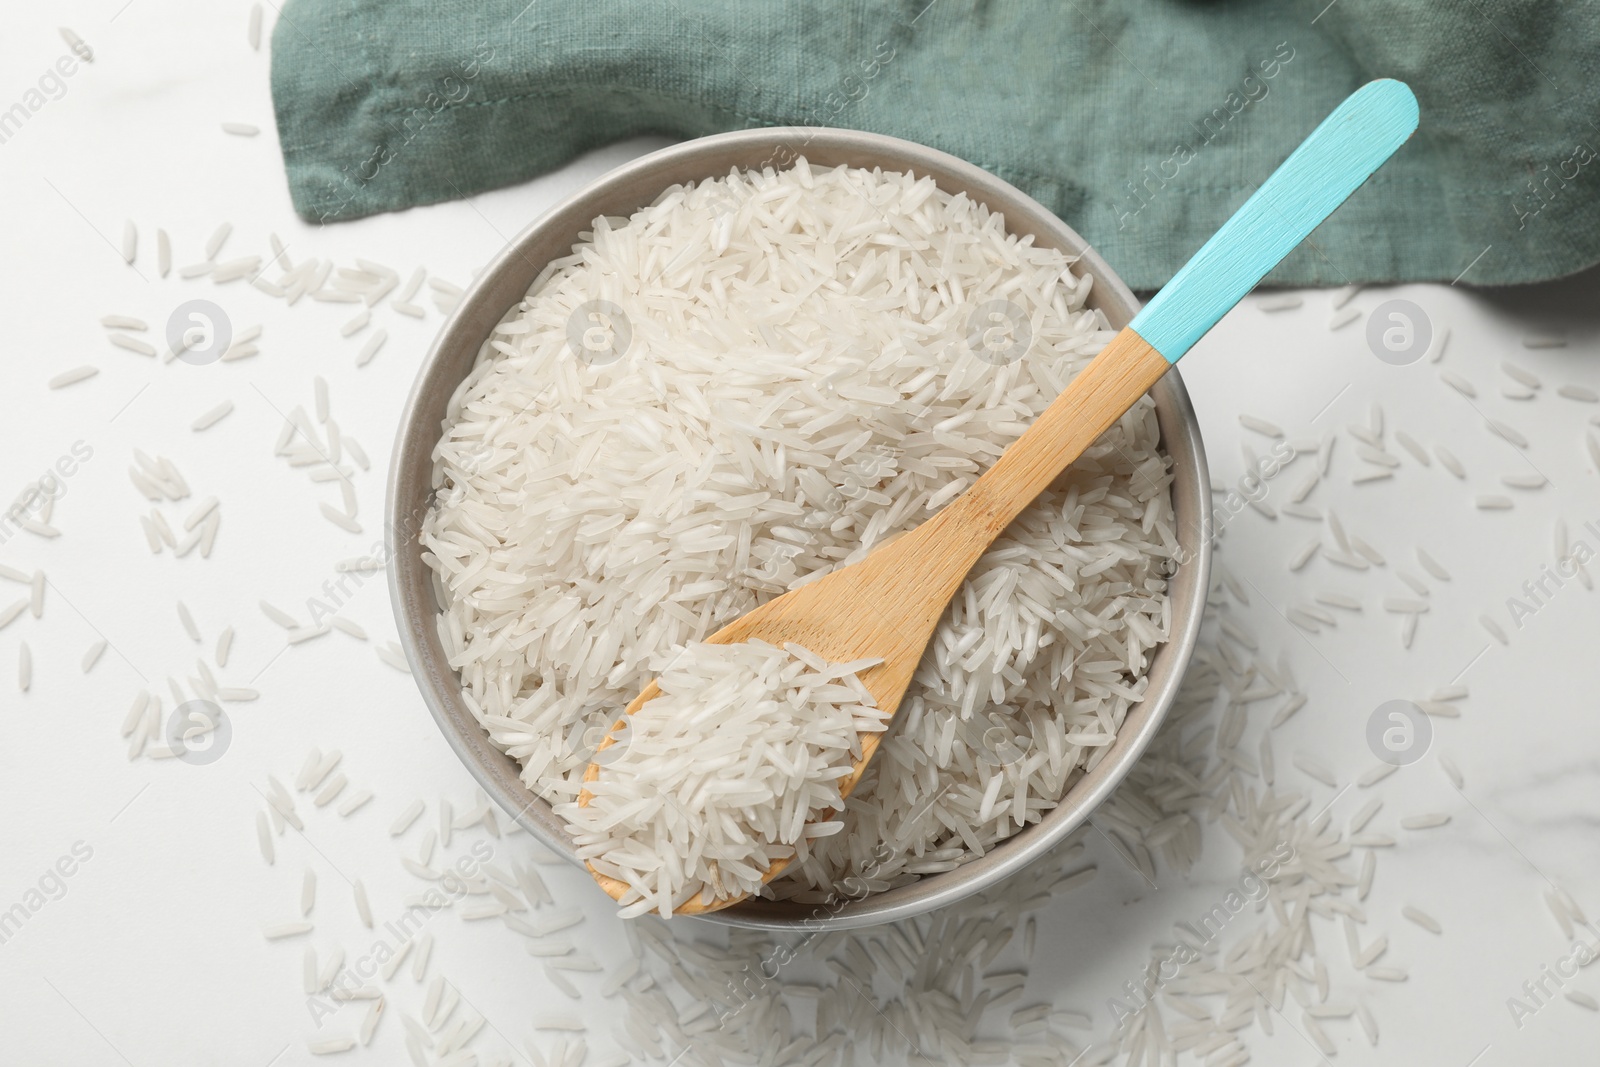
(636, 185)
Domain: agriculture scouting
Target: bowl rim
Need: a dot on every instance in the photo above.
(411, 582)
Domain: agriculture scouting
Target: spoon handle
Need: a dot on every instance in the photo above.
(1330, 164)
(1319, 175)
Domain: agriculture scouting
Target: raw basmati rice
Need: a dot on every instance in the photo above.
(1369, 1025)
(1260, 426)
(370, 349)
(1302, 557)
(276, 931)
(218, 237)
(78, 45)
(188, 622)
(363, 909)
(732, 768)
(1371, 554)
(339, 518)
(1376, 774)
(72, 377)
(391, 654)
(329, 1045)
(355, 802)
(344, 625)
(1343, 318)
(212, 417)
(419, 964)
(1314, 769)
(1521, 374)
(1410, 444)
(406, 818)
(263, 836)
(1431, 565)
(355, 325)
(1422, 919)
(1418, 586)
(757, 420)
(1358, 822)
(1510, 433)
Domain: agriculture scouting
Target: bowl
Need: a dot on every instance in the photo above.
(621, 192)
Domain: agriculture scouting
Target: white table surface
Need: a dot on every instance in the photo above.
(154, 952)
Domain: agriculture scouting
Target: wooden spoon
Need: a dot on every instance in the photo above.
(888, 604)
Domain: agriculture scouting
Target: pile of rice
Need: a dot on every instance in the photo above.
(735, 766)
(745, 385)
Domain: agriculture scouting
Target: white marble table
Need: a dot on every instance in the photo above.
(151, 950)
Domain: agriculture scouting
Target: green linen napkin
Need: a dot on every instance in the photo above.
(1142, 123)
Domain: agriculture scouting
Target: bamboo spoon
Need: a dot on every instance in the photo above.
(888, 604)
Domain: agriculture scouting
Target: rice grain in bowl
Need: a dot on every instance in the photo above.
(749, 381)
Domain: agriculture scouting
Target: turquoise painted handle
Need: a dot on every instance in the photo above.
(1360, 135)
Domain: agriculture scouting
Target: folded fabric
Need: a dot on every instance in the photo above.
(1142, 123)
